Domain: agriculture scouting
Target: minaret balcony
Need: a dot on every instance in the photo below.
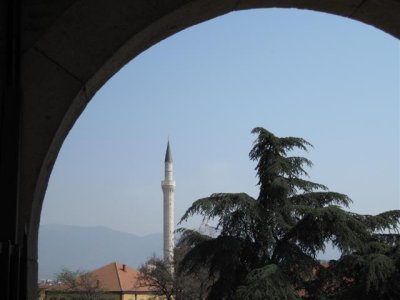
(168, 182)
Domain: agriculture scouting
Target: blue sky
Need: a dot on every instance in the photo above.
(328, 79)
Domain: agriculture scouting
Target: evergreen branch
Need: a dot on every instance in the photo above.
(191, 237)
(220, 205)
(389, 220)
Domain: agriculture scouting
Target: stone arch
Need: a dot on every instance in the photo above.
(70, 49)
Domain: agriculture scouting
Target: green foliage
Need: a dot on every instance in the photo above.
(267, 247)
(193, 286)
(266, 283)
(156, 273)
(373, 273)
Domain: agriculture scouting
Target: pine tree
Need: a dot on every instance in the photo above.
(267, 247)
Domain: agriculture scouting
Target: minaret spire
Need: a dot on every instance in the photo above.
(168, 187)
(168, 155)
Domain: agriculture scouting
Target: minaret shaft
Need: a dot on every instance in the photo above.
(168, 187)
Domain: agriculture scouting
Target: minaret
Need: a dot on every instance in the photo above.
(168, 187)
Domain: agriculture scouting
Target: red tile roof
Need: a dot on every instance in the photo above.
(116, 277)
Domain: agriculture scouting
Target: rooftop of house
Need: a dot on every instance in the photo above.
(118, 277)
(114, 277)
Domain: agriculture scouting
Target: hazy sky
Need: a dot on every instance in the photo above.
(330, 80)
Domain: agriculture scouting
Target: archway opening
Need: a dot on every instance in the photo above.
(207, 87)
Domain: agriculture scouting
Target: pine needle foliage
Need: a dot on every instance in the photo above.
(267, 247)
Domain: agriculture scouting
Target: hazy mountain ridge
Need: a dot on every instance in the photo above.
(88, 248)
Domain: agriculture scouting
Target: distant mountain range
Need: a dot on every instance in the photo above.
(88, 248)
